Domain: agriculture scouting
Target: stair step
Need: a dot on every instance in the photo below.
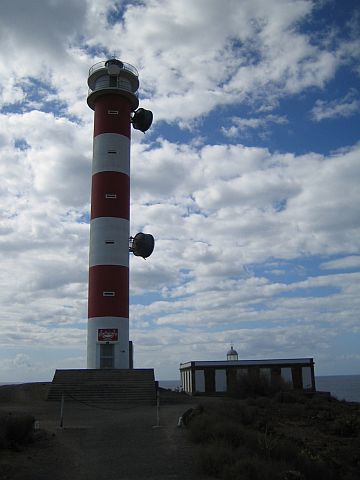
(104, 386)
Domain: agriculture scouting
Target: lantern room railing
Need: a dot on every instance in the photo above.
(125, 66)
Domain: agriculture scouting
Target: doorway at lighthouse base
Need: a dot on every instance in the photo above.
(104, 386)
(107, 355)
(108, 344)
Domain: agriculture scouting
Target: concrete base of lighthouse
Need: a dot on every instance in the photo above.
(108, 347)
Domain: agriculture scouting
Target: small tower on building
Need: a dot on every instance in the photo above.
(232, 355)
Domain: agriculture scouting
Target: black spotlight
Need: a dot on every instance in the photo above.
(142, 245)
(142, 119)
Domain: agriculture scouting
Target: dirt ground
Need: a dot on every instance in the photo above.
(117, 442)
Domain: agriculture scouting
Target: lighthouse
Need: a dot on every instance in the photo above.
(113, 87)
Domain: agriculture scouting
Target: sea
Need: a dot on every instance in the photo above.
(343, 387)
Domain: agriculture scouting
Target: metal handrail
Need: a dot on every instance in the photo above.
(126, 66)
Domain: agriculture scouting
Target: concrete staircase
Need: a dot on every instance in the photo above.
(111, 386)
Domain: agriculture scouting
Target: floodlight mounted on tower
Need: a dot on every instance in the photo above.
(142, 119)
(142, 245)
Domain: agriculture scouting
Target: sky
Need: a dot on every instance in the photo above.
(248, 179)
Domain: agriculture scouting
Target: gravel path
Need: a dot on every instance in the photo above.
(119, 443)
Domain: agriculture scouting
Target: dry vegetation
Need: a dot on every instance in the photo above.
(281, 436)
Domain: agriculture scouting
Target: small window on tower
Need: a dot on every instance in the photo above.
(111, 151)
(110, 195)
(109, 242)
(113, 112)
(108, 294)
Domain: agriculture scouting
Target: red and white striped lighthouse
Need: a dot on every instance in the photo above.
(112, 95)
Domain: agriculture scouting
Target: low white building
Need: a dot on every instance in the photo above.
(220, 377)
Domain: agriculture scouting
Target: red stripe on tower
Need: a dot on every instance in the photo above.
(110, 195)
(107, 295)
(112, 115)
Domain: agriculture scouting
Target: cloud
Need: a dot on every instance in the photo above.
(211, 224)
(352, 261)
(163, 349)
(39, 42)
(55, 160)
(343, 107)
(224, 216)
(258, 206)
(280, 207)
(200, 55)
(261, 124)
(223, 232)
(21, 360)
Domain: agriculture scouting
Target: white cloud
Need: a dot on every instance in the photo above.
(216, 210)
(280, 207)
(162, 350)
(241, 125)
(352, 261)
(209, 224)
(200, 54)
(342, 107)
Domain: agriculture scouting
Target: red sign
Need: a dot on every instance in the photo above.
(107, 334)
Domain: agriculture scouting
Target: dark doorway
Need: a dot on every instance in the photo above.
(106, 355)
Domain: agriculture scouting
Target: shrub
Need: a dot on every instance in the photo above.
(292, 475)
(207, 428)
(251, 468)
(295, 411)
(315, 469)
(267, 443)
(229, 432)
(248, 415)
(15, 430)
(212, 459)
(3, 442)
(200, 428)
(346, 426)
(253, 385)
(319, 400)
(262, 402)
(251, 440)
(288, 397)
(286, 450)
